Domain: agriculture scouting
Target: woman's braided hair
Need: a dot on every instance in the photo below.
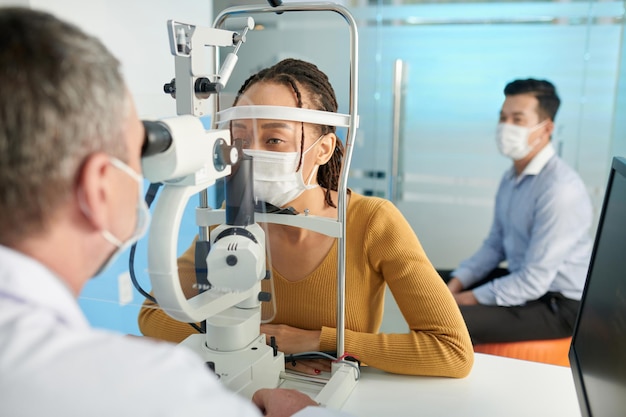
(304, 76)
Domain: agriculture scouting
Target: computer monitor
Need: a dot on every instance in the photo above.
(598, 350)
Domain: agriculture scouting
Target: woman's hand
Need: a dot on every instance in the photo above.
(291, 339)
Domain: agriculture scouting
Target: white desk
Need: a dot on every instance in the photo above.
(496, 387)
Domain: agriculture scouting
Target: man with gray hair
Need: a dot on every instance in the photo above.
(70, 199)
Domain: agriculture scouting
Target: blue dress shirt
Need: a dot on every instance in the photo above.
(541, 229)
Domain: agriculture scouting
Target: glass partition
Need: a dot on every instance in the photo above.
(454, 60)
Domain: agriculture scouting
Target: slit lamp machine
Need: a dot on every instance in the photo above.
(186, 157)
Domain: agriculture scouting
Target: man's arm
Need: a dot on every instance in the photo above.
(476, 267)
(488, 256)
(562, 219)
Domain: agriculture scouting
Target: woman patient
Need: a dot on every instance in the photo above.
(381, 248)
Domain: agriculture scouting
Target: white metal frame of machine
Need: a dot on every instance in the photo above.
(231, 307)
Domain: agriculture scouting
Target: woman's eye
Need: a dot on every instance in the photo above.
(274, 141)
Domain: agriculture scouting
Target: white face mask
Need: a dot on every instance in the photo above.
(512, 140)
(143, 219)
(276, 180)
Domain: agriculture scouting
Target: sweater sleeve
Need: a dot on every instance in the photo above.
(438, 343)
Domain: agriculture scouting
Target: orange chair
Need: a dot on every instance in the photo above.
(553, 351)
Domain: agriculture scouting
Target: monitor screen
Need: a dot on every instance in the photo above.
(598, 350)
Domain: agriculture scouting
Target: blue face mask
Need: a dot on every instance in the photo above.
(143, 218)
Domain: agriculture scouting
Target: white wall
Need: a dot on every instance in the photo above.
(135, 31)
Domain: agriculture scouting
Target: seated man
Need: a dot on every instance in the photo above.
(540, 228)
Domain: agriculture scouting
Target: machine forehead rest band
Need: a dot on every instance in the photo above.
(295, 114)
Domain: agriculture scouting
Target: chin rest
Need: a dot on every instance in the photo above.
(552, 351)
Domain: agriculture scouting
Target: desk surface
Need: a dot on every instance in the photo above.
(496, 386)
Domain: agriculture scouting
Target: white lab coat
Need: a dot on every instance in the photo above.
(52, 363)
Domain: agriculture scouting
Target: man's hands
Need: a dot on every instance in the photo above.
(281, 402)
(462, 297)
(293, 340)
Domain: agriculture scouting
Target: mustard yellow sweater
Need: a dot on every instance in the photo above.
(381, 249)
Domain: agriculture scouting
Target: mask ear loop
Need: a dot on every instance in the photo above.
(80, 194)
(316, 166)
(538, 125)
(312, 175)
(533, 129)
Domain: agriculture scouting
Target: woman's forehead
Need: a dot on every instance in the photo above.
(265, 124)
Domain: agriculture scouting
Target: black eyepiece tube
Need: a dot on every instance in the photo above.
(157, 138)
(239, 194)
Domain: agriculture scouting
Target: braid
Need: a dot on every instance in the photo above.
(299, 74)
